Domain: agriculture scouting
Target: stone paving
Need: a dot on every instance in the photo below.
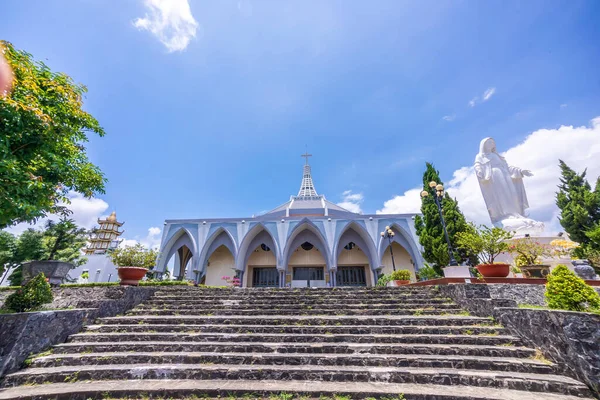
(257, 343)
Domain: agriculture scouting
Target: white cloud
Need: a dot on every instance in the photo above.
(579, 147)
(563, 105)
(171, 21)
(351, 201)
(449, 117)
(489, 93)
(407, 203)
(85, 213)
(151, 241)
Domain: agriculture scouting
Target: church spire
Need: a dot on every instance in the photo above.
(307, 188)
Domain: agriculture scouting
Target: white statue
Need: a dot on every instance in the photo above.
(503, 190)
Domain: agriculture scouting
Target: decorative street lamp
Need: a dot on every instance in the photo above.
(389, 234)
(437, 191)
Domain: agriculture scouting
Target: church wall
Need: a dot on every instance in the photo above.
(302, 257)
(221, 263)
(402, 259)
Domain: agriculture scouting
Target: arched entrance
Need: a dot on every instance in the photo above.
(355, 257)
(306, 258)
(402, 257)
(262, 268)
(220, 263)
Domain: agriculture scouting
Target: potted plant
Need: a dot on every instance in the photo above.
(487, 243)
(401, 277)
(529, 253)
(53, 251)
(133, 262)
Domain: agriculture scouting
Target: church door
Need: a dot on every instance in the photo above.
(351, 276)
(265, 277)
(308, 274)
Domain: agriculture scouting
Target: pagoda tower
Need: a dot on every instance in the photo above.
(106, 236)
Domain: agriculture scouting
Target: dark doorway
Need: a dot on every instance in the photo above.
(265, 277)
(308, 274)
(351, 276)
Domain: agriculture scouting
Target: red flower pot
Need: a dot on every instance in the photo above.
(402, 282)
(131, 275)
(493, 270)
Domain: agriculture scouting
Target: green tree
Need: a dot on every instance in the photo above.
(42, 131)
(579, 210)
(61, 241)
(429, 226)
(7, 250)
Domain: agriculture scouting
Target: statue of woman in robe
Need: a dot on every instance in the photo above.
(502, 187)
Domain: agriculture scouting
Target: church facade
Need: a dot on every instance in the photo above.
(306, 242)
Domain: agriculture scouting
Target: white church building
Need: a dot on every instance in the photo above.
(307, 241)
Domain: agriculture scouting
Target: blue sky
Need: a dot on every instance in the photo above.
(217, 129)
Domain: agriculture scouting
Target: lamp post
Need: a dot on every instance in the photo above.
(389, 234)
(437, 191)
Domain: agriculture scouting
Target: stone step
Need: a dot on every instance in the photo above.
(255, 303)
(239, 304)
(316, 311)
(293, 338)
(300, 329)
(413, 361)
(298, 320)
(311, 348)
(288, 291)
(300, 296)
(541, 383)
(254, 390)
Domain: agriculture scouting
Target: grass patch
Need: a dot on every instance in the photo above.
(538, 356)
(533, 306)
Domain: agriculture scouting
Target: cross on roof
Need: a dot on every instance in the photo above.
(306, 155)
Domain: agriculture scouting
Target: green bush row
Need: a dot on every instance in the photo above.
(9, 288)
(142, 283)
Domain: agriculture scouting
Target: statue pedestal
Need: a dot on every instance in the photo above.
(459, 271)
(523, 226)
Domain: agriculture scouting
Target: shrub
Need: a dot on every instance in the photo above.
(567, 291)
(31, 296)
(427, 272)
(401, 275)
(383, 280)
(133, 256)
(486, 242)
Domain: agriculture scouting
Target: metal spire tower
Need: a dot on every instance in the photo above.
(307, 188)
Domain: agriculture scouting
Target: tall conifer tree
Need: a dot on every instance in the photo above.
(429, 226)
(579, 209)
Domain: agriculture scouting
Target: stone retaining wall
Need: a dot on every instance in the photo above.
(571, 339)
(23, 334)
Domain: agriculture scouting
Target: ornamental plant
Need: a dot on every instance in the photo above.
(31, 296)
(232, 281)
(133, 256)
(427, 272)
(529, 251)
(567, 291)
(400, 275)
(486, 242)
(383, 279)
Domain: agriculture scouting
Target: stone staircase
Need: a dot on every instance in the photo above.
(386, 343)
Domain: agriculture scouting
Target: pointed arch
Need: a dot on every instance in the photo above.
(181, 237)
(306, 231)
(356, 233)
(256, 236)
(220, 237)
(404, 239)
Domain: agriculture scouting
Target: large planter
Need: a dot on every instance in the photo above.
(535, 271)
(493, 270)
(401, 282)
(131, 275)
(55, 271)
